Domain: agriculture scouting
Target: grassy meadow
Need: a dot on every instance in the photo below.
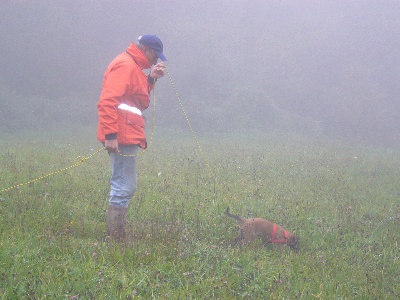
(343, 201)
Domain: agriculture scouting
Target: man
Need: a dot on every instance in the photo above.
(121, 127)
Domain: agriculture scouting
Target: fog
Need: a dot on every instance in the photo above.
(329, 69)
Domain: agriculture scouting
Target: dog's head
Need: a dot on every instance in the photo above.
(293, 242)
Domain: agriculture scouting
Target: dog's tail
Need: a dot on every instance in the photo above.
(232, 216)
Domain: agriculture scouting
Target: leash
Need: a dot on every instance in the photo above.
(187, 121)
(84, 159)
(80, 162)
(190, 125)
(211, 170)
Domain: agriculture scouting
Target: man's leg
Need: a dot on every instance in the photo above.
(123, 186)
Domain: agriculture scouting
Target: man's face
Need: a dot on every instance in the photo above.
(151, 55)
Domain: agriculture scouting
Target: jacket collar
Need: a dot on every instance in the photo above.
(140, 59)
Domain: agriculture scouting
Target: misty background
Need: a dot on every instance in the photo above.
(327, 69)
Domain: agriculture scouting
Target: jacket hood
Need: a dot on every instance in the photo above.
(139, 57)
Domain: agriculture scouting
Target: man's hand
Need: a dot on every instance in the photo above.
(157, 71)
(111, 146)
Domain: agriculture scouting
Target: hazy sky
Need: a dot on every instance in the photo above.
(310, 59)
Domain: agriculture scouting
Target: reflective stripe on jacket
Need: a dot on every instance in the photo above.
(125, 94)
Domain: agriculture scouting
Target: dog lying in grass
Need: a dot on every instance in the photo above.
(266, 230)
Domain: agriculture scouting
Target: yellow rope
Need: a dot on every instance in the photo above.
(190, 125)
(80, 162)
(84, 159)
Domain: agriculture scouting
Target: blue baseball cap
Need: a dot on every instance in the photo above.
(153, 42)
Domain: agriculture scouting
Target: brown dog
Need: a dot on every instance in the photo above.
(266, 230)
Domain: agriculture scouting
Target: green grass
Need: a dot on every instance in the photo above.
(343, 202)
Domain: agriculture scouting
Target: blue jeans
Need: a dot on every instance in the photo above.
(123, 175)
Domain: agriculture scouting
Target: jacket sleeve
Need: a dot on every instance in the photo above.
(115, 85)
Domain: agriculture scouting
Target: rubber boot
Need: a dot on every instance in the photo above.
(116, 218)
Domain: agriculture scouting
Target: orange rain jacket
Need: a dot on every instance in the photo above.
(125, 94)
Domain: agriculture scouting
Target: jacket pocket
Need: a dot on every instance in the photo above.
(134, 120)
(131, 128)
